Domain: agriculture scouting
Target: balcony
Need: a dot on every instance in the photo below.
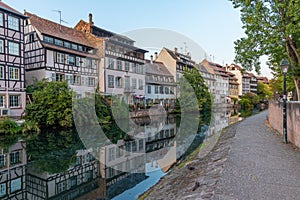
(129, 90)
(126, 57)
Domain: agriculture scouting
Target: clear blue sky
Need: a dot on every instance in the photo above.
(212, 24)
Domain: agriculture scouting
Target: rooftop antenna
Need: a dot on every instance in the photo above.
(185, 48)
(60, 19)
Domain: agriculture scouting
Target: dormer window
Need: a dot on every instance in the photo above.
(58, 42)
(74, 46)
(67, 45)
(48, 39)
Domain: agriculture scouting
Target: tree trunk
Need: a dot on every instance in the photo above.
(297, 86)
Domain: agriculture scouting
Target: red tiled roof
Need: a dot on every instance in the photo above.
(59, 31)
(10, 9)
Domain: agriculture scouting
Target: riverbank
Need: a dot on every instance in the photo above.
(198, 174)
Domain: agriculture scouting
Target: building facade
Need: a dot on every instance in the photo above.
(122, 64)
(176, 63)
(246, 79)
(57, 53)
(208, 77)
(253, 83)
(160, 84)
(233, 91)
(237, 71)
(12, 71)
(222, 81)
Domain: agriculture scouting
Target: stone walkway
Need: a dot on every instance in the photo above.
(259, 165)
(249, 161)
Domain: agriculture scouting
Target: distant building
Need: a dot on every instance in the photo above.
(122, 64)
(222, 81)
(262, 79)
(59, 53)
(253, 83)
(12, 71)
(233, 92)
(237, 71)
(175, 62)
(246, 80)
(208, 76)
(160, 84)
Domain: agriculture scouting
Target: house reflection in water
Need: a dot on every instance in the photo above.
(79, 179)
(12, 171)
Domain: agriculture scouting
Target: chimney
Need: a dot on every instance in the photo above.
(91, 19)
(151, 61)
(155, 55)
(175, 49)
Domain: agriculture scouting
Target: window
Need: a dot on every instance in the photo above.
(15, 185)
(13, 48)
(111, 63)
(172, 90)
(111, 154)
(149, 89)
(1, 19)
(133, 68)
(2, 161)
(61, 187)
(119, 65)
(88, 63)
(110, 81)
(67, 44)
(15, 157)
(76, 80)
(67, 58)
(141, 85)
(91, 81)
(2, 189)
(59, 77)
(13, 23)
(127, 82)
(58, 42)
(118, 82)
(69, 79)
(72, 182)
(167, 91)
(141, 145)
(1, 46)
(126, 66)
(156, 89)
(14, 73)
(60, 57)
(31, 37)
(138, 68)
(2, 101)
(71, 60)
(161, 89)
(74, 46)
(78, 61)
(133, 83)
(14, 101)
(48, 39)
(80, 48)
(2, 72)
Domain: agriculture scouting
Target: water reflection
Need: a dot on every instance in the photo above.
(60, 167)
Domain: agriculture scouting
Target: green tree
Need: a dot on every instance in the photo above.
(264, 92)
(272, 28)
(194, 84)
(51, 106)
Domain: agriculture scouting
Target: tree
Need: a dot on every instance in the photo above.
(272, 28)
(264, 91)
(51, 106)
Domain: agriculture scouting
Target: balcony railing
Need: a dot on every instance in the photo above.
(120, 55)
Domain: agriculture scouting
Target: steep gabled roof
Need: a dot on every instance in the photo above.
(5, 7)
(50, 28)
(157, 68)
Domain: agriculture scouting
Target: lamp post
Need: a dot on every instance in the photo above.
(284, 65)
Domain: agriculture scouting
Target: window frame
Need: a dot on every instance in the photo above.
(60, 58)
(1, 19)
(2, 72)
(110, 81)
(11, 24)
(2, 46)
(13, 48)
(14, 73)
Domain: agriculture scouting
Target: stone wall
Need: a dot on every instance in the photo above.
(293, 119)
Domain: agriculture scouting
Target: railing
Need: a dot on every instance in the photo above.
(120, 55)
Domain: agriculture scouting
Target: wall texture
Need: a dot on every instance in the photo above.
(293, 120)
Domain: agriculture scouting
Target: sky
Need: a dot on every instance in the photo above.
(212, 25)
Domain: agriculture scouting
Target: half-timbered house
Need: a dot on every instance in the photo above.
(59, 53)
(122, 64)
(12, 88)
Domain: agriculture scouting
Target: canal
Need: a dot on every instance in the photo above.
(81, 164)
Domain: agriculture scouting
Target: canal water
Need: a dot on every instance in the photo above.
(114, 165)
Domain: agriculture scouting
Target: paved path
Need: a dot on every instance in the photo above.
(259, 165)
